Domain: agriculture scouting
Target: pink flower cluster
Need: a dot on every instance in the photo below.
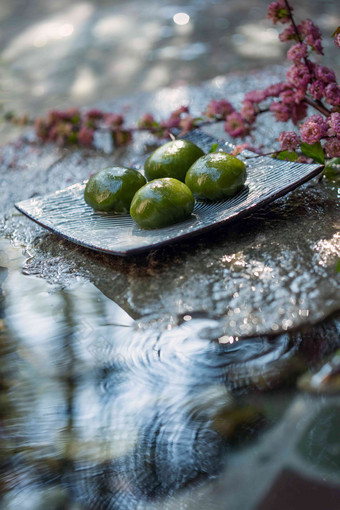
(315, 129)
(73, 127)
(219, 109)
(307, 34)
(332, 147)
(307, 83)
(289, 140)
(332, 144)
(334, 124)
(311, 35)
(181, 119)
(239, 148)
(278, 12)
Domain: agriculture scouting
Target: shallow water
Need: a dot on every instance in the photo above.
(99, 411)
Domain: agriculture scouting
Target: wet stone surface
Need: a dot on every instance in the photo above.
(272, 271)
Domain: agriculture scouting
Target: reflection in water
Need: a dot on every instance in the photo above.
(101, 412)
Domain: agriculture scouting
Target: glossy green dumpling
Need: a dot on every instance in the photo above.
(216, 176)
(112, 189)
(162, 202)
(173, 159)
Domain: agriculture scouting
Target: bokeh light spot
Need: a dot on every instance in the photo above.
(181, 18)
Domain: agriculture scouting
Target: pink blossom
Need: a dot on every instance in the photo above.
(171, 122)
(289, 140)
(181, 109)
(113, 120)
(277, 12)
(300, 94)
(186, 124)
(325, 74)
(146, 121)
(337, 39)
(41, 128)
(288, 34)
(332, 148)
(175, 117)
(64, 128)
(332, 94)
(312, 35)
(317, 89)
(334, 122)
(298, 75)
(248, 111)
(291, 97)
(297, 52)
(53, 116)
(288, 97)
(299, 112)
(94, 114)
(52, 134)
(219, 109)
(303, 159)
(275, 89)
(235, 125)
(85, 136)
(311, 65)
(65, 115)
(177, 113)
(292, 105)
(281, 111)
(308, 27)
(239, 148)
(70, 114)
(315, 44)
(255, 96)
(313, 129)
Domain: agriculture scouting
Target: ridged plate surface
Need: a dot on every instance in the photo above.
(65, 212)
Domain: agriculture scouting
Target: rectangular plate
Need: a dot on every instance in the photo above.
(65, 212)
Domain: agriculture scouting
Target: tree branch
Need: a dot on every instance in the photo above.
(318, 106)
(298, 35)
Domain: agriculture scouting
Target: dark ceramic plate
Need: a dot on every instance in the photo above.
(65, 212)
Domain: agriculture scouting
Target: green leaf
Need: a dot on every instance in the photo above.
(314, 151)
(9, 115)
(75, 119)
(332, 170)
(333, 161)
(330, 173)
(336, 31)
(291, 156)
(213, 147)
(73, 138)
(337, 266)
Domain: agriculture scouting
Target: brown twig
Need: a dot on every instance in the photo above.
(318, 106)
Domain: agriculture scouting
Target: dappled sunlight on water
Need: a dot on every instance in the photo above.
(104, 411)
(78, 54)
